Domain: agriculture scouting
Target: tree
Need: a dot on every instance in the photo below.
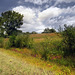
(1, 27)
(69, 40)
(47, 30)
(52, 30)
(33, 32)
(10, 21)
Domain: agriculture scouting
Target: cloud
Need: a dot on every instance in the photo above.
(49, 13)
(66, 1)
(30, 19)
(68, 10)
(38, 2)
(52, 17)
(61, 1)
(66, 16)
(28, 13)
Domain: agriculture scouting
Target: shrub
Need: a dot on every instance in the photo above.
(7, 44)
(48, 48)
(45, 51)
(18, 41)
(12, 40)
(1, 42)
(23, 41)
(69, 40)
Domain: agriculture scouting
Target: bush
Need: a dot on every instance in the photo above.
(12, 40)
(7, 44)
(45, 51)
(23, 41)
(18, 41)
(48, 47)
(1, 42)
(69, 40)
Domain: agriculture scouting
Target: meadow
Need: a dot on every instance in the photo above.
(34, 54)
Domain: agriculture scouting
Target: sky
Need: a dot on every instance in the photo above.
(41, 14)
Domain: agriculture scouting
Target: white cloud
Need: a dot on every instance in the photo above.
(28, 13)
(36, 20)
(39, 2)
(49, 13)
(66, 1)
(30, 19)
(70, 10)
(67, 16)
(69, 20)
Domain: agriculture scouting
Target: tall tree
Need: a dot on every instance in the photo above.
(10, 21)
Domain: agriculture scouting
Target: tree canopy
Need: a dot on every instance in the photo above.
(47, 30)
(10, 21)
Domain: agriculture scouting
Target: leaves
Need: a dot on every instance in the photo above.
(11, 20)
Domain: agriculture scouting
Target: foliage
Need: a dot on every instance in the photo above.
(12, 40)
(47, 30)
(7, 44)
(69, 40)
(10, 21)
(33, 32)
(23, 41)
(1, 28)
(48, 48)
(1, 42)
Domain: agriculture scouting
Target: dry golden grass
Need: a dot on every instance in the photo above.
(10, 65)
(43, 35)
(17, 63)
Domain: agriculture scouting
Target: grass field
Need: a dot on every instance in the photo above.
(11, 65)
(17, 63)
(22, 61)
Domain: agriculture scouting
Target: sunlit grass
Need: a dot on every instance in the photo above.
(12, 62)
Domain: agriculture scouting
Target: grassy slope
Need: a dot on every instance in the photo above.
(15, 63)
(10, 65)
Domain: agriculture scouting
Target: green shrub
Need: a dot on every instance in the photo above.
(18, 41)
(69, 40)
(1, 42)
(30, 43)
(12, 40)
(45, 51)
(23, 41)
(7, 44)
(48, 47)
